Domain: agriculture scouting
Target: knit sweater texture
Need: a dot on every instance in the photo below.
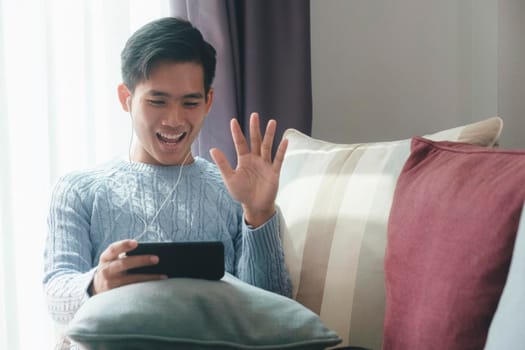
(93, 208)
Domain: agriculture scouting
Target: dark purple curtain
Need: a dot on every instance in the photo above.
(263, 65)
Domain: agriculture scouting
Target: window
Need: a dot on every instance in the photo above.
(60, 66)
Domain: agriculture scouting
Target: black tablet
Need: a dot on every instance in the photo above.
(203, 260)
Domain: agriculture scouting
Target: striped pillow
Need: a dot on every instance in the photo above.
(335, 201)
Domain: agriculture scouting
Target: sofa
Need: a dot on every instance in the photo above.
(403, 244)
(392, 245)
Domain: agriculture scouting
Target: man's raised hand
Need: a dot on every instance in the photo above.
(255, 180)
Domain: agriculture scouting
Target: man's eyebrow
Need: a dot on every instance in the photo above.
(158, 93)
(192, 95)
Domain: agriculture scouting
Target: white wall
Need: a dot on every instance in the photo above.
(385, 70)
(511, 82)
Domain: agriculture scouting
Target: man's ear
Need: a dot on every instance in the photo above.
(209, 100)
(124, 96)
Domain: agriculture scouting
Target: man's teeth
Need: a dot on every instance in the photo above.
(171, 137)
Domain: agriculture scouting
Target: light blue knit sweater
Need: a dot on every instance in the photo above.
(91, 209)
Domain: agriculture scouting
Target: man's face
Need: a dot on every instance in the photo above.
(168, 112)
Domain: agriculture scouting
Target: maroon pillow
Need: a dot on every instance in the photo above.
(451, 233)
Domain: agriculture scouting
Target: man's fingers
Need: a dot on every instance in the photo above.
(279, 155)
(113, 274)
(119, 266)
(113, 251)
(269, 135)
(255, 134)
(241, 146)
(131, 262)
(222, 163)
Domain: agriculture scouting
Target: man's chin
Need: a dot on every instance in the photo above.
(178, 159)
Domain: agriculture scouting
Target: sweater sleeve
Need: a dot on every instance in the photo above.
(68, 265)
(261, 262)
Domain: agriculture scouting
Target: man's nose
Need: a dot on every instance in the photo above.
(173, 116)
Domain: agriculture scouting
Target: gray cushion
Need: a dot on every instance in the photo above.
(506, 330)
(197, 314)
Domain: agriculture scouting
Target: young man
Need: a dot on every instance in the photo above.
(163, 193)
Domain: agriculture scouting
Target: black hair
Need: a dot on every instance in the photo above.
(167, 39)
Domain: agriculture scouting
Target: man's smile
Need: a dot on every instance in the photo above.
(170, 138)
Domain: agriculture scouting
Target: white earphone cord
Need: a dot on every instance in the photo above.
(147, 226)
